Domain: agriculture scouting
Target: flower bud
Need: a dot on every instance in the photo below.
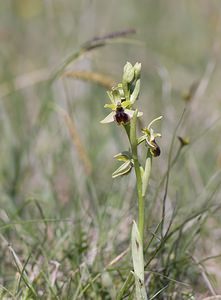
(137, 70)
(128, 75)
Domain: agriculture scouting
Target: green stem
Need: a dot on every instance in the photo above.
(140, 198)
(131, 132)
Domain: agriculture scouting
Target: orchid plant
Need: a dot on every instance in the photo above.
(123, 98)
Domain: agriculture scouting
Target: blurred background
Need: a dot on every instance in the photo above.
(56, 159)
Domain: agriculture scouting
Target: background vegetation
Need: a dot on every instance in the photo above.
(64, 223)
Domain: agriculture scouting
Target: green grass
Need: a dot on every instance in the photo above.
(65, 224)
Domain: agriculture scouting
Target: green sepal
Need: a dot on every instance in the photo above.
(116, 96)
(109, 118)
(121, 90)
(124, 169)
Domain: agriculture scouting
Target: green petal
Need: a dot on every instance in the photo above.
(125, 104)
(111, 106)
(108, 119)
(154, 120)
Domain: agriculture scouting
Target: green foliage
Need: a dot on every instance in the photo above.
(65, 224)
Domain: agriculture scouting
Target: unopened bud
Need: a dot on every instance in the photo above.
(137, 70)
(128, 75)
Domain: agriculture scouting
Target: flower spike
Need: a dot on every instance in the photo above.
(124, 95)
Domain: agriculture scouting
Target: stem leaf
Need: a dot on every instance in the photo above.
(138, 264)
(146, 174)
(136, 92)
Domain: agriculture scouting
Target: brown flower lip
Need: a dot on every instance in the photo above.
(155, 151)
(121, 117)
